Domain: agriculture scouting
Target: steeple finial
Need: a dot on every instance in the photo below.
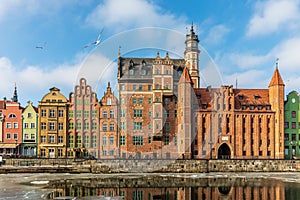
(277, 59)
(192, 27)
(15, 97)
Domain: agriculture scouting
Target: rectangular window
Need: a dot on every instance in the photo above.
(43, 139)
(94, 125)
(71, 125)
(175, 141)
(60, 152)
(111, 140)
(122, 140)
(134, 100)
(86, 141)
(7, 135)
(166, 140)
(122, 113)
(78, 141)
(86, 125)
(78, 125)
(149, 100)
(141, 100)
(138, 125)
(137, 140)
(294, 137)
(25, 125)
(293, 125)
(86, 113)
(51, 113)
(140, 87)
(167, 113)
(111, 126)
(16, 125)
(86, 102)
(104, 140)
(51, 139)
(175, 113)
(167, 126)
(149, 114)
(8, 125)
(60, 113)
(104, 127)
(137, 113)
(149, 139)
(104, 114)
(94, 141)
(26, 136)
(94, 113)
(71, 113)
(112, 114)
(111, 153)
(51, 126)
(122, 124)
(60, 139)
(78, 101)
(43, 113)
(293, 114)
(60, 126)
(71, 141)
(286, 137)
(78, 113)
(43, 152)
(134, 87)
(104, 153)
(29, 115)
(149, 87)
(32, 125)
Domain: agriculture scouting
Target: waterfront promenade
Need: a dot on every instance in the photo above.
(145, 165)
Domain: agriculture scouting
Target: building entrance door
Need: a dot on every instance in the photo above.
(224, 152)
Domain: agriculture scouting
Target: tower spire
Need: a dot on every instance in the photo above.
(15, 97)
(277, 59)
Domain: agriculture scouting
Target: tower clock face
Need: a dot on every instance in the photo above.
(293, 100)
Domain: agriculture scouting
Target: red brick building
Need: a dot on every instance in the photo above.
(165, 114)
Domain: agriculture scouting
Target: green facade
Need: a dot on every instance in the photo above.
(292, 126)
(29, 131)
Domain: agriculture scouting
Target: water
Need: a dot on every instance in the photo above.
(234, 186)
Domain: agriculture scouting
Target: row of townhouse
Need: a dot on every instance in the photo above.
(60, 128)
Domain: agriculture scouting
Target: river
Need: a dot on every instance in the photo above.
(210, 186)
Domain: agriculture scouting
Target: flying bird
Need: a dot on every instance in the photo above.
(41, 46)
(97, 42)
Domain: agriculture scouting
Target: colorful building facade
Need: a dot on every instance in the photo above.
(52, 120)
(109, 138)
(83, 121)
(30, 130)
(292, 126)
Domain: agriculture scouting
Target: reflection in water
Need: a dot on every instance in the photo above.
(177, 188)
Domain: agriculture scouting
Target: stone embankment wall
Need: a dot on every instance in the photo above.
(136, 166)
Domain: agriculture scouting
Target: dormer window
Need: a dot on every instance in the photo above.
(198, 96)
(244, 107)
(241, 97)
(143, 72)
(251, 107)
(131, 72)
(268, 107)
(256, 97)
(204, 106)
(143, 63)
(259, 107)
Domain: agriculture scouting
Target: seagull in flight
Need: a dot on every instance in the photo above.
(41, 46)
(97, 42)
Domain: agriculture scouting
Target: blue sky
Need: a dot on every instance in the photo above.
(242, 38)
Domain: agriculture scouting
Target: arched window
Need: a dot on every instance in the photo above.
(12, 116)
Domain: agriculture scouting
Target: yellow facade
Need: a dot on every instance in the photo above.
(52, 132)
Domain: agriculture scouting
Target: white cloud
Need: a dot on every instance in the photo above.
(273, 15)
(246, 61)
(121, 15)
(216, 34)
(288, 54)
(33, 81)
